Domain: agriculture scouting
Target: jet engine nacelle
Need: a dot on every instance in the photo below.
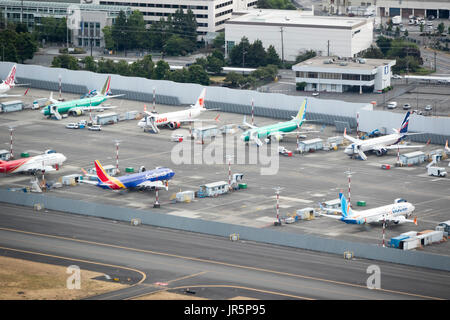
(277, 137)
(380, 152)
(75, 112)
(174, 125)
(401, 220)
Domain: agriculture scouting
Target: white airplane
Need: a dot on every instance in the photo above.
(396, 213)
(9, 83)
(379, 145)
(447, 149)
(173, 120)
(44, 162)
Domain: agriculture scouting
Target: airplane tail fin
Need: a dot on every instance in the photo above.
(11, 76)
(200, 103)
(302, 112)
(446, 145)
(106, 86)
(101, 173)
(404, 126)
(345, 206)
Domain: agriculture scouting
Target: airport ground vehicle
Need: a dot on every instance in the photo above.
(436, 171)
(392, 105)
(177, 137)
(95, 127)
(72, 126)
(428, 108)
(406, 106)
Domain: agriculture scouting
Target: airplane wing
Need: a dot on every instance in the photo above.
(10, 95)
(95, 183)
(330, 216)
(200, 120)
(357, 141)
(152, 184)
(330, 209)
(91, 108)
(292, 132)
(398, 219)
(396, 146)
(244, 122)
(116, 96)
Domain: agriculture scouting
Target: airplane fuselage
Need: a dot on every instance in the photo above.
(172, 117)
(64, 107)
(265, 131)
(374, 143)
(36, 163)
(373, 215)
(4, 87)
(134, 180)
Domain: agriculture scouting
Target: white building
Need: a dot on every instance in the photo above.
(210, 14)
(331, 74)
(293, 32)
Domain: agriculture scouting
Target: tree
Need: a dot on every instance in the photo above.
(198, 75)
(119, 31)
(26, 46)
(237, 54)
(107, 35)
(136, 30)
(143, 67)
(215, 65)
(234, 79)
(256, 54)
(373, 53)
(219, 42)
(397, 32)
(384, 44)
(441, 28)
(161, 71)
(406, 33)
(272, 56)
(305, 56)
(65, 61)
(179, 75)
(89, 64)
(421, 27)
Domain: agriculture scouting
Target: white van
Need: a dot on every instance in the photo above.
(392, 105)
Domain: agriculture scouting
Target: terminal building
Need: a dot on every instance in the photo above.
(293, 32)
(93, 17)
(334, 74)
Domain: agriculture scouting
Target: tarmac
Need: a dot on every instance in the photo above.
(306, 179)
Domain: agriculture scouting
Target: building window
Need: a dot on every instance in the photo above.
(313, 75)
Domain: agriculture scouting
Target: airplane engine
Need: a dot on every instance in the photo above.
(174, 125)
(380, 152)
(75, 112)
(277, 137)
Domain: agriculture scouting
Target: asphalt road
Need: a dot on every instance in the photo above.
(212, 267)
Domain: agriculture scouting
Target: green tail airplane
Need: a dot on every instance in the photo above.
(275, 131)
(77, 107)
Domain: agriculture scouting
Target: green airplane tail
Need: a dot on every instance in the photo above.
(301, 113)
(106, 86)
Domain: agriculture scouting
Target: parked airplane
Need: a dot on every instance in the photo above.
(156, 178)
(9, 83)
(379, 145)
(44, 162)
(275, 131)
(174, 119)
(396, 213)
(79, 106)
(446, 146)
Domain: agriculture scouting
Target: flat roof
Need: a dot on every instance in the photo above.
(347, 63)
(296, 18)
(66, 4)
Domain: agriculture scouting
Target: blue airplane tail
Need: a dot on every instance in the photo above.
(404, 126)
(345, 206)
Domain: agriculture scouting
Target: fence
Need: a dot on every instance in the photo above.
(273, 105)
(302, 241)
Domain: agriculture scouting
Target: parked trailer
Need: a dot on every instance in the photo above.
(310, 145)
(213, 189)
(412, 158)
(411, 243)
(10, 106)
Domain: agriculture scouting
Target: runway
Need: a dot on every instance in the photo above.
(158, 259)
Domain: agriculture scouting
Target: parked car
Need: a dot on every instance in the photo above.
(396, 76)
(95, 127)
(177, 137)
(72, 126)
(315, 94)
(428, 107)
(406, 106)
(392, 105)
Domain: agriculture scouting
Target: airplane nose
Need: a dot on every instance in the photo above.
(243, 137)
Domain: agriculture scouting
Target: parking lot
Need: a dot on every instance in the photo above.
(306, 179)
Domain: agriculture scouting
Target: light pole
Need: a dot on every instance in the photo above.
(253, 111)
(349, 175)
(11, 129)
(117, 142)
(277, 190)
(154, 99)
(229, 158)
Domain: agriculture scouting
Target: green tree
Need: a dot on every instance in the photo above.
(272, 56)
(107, 35)
(397, 32)
(305, 56)
(89, 64)
(65, 61)
(219, 42)
(239, 52)
(106, 66)
(26, 46)
(373, 53)
(198, 75)
(441, 28)
(119, 31)
(406, 33)
(256, 54)
(122, 68)
(179, 75)
(161, 71)
(384, 44)
(215, 65)
(233, 79)
(136, 30)
(143, 67)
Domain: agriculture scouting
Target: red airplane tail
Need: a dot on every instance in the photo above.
(101, 173)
